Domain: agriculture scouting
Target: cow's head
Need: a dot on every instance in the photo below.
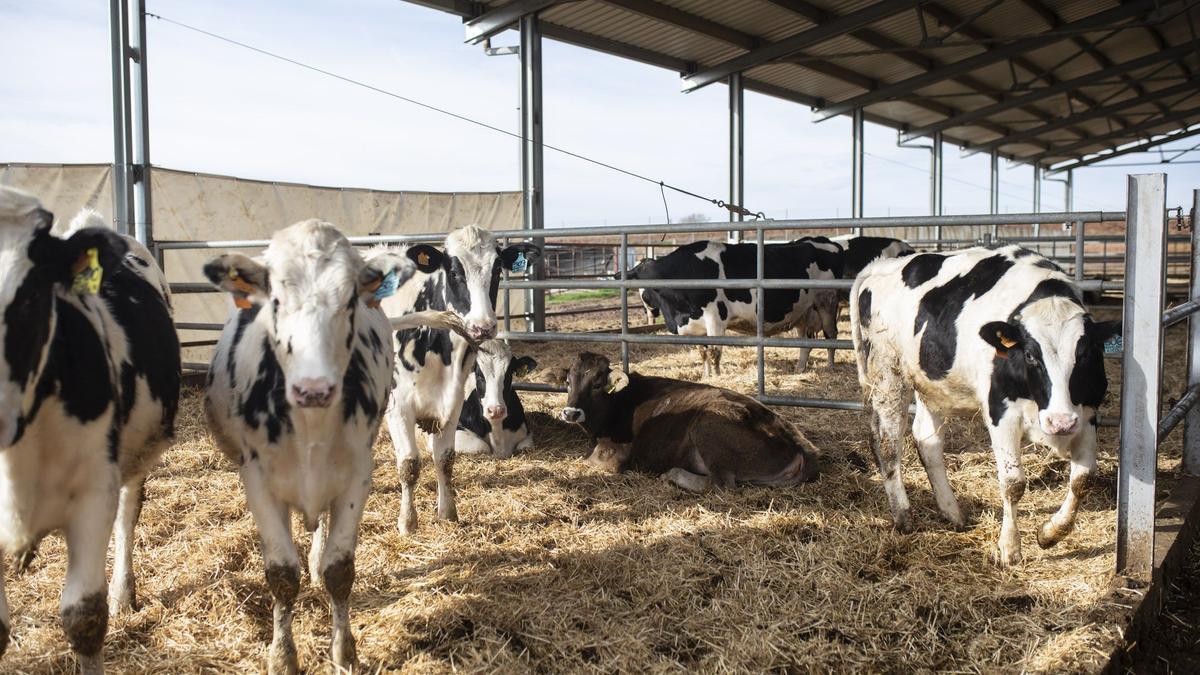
(309, 283)
(35, 266)
(1051, 352)
(495, 370)
(646, 269)
(591, 384)
(472, 264)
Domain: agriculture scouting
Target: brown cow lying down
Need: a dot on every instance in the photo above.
(693, 435)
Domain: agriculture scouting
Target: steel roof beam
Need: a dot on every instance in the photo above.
(950, 18)
(798, 42)
(994, 55)
(1054, 21)
(1063, 86)
(1152, 97)
(493, 21)
(689, 21)
(1178, 135)
(1130, 132)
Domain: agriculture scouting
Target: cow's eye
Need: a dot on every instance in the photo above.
(1030, 359)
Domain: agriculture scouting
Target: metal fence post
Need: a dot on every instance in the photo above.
(532, 184)
(857, 158)
(139, 87)
(737, 151)
(760, 258)
(624, 266)
(1145, 248)
(1191, 426)
(937, 169)
(1079, 250)
(122, 187)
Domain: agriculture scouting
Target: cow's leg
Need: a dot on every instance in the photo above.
(687, 480)
(337, 563)
(887, 406)
(122, 589)
(829, 318)
(408, 461)
(803, 352)
(1006, 444)
(1083, 467)
(316, 549)
(927, 431)
(84, 608)
(443, 465)
(282, 566)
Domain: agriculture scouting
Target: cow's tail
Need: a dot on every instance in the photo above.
(856, 331)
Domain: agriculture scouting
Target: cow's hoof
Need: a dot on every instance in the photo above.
(448, 512)
(282, 659)
(344, 654)
(903, 524)
(1010, 558)
(123, 599)
(407, 523)
(1048, 535)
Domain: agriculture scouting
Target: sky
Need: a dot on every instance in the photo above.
(218, 108)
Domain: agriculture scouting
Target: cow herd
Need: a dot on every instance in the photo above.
(309, 365)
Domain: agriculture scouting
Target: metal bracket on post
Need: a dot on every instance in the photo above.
(1191, 426)
(1145, 257)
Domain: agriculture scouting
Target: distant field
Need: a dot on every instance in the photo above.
(589, 294)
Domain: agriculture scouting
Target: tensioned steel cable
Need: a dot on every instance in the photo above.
(734, 208)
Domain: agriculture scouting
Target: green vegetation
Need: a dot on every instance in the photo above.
(585, 294)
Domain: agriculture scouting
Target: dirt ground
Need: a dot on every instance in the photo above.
(557, 567)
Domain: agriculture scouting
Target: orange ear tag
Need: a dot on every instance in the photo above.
(241, 302)
(1008, 343)
(422, 258)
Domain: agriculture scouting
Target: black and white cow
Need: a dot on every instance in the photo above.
(1001, 333)
(296, 394)
(493, 420)
(89, 386)
(859, 251)
(714, 311)
(432, 365)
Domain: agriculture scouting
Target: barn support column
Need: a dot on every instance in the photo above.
(737, 151)
(937, 172)
(532, 185)
(1037, 198)
(132, 212)
(1069, 196)
(857, 155)
(1145, 256)
(994, 189)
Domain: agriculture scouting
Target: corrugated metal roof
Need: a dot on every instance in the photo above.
(860, 66)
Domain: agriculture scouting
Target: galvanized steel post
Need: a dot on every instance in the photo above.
(994, 189)
(1037, 199)
(1079, 251)
(759, 266)
(118, 18)
(624, 265)
(857, 156)
(1145, 238)
(737, 150)
(532, 185)
(937, 170)
(1069, 191)
(1191, 426)
(139, 87)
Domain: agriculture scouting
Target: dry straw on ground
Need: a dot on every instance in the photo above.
(556, 567)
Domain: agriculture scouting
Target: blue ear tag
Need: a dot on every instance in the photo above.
(387, 287)
(1114, 345)
(520, 264)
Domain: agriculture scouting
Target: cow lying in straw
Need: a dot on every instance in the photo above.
(693, 435)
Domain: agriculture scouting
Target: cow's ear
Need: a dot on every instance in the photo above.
(1103, 331)
(558, 376)
(520, 257)
(383, 272)
(427, 258)
(617, 380)
(523, 366)
(247, 280)
(1002, 335)
(82, 260)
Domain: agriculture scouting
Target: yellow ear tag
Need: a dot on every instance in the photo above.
(422, 258)
(1008, 343)
(88, 273)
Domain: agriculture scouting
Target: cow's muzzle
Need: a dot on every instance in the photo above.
(1059, 424)
(313, 393)
(480, 331)
(495, 412)
(573, 415)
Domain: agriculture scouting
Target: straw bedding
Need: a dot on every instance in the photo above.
(557, 567)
